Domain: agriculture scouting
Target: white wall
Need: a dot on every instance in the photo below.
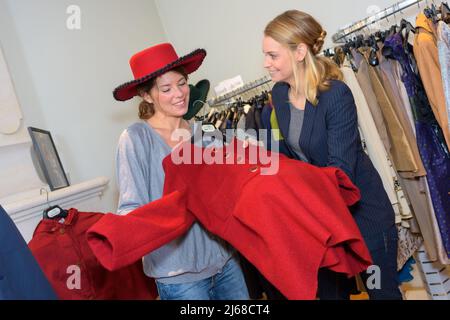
(64, 79)
(231, 31)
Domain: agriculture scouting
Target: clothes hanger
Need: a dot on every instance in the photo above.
(373, 57)
(380, 36)
(393, 29)
(359, 41)
(383, 35)
(386, 32)
(208, 121)
(328, 53)
(445, 6)
(53, 212)
(397, 29)
(235, 119)
(348, 54)
(445, 12)
(265, 96)
(432, 13)
(405, 24)
(203, 112)
(259, 99)
(367, 40)
(338, 56)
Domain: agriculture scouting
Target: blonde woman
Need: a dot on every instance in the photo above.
(317, 118)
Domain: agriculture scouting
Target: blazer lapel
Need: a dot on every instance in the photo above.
(280, 95)
(282, 111)
(308, 124)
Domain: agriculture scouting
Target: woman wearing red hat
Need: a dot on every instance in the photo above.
(196, 266)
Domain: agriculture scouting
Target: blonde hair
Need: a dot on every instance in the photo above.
(294, 27)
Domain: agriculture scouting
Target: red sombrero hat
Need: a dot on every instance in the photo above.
(153, 62)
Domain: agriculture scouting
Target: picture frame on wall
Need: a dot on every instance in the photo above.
(48, 157)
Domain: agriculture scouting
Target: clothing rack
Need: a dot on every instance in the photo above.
(247, 87)
(350, 29)
(435, 275)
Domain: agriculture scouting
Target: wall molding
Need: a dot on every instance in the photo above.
(35, 203)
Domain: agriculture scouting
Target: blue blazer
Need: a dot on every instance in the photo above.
(21, 278)
(330, 137)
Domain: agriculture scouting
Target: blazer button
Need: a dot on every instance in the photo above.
(62, 230)
(254, 169)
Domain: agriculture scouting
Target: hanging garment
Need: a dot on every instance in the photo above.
(426, 55)
(387, 72)
(258, 111)
(423, 212)
(397, 71)
(250, 120)
(62, 251)
(437, 164)
(401, 149)
(432, 146)
(441, 252)
(416, 193)
(21, 278)
(408, 242)
(375, 148)
(364, 81)
(282, 223)
(443, 43)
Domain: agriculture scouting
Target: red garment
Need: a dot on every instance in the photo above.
(60, 248)
(288, 225)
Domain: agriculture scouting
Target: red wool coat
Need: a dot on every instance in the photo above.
(288, 224)
(62, 252)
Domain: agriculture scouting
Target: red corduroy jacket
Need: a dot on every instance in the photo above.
(288, 224)
(62, 252)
